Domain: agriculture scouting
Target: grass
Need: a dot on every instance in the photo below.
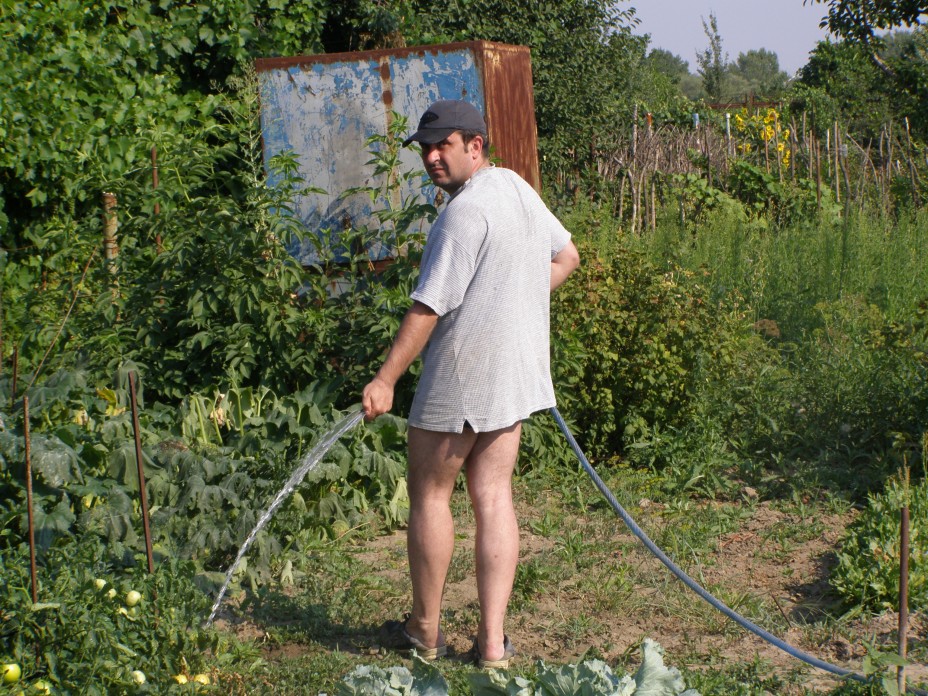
(581, 576)
(783, 272)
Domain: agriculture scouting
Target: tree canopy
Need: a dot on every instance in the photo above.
(858, 20)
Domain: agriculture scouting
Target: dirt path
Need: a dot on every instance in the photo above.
(591, 587)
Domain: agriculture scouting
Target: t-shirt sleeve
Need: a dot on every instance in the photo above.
(559, 234)
(449, 260)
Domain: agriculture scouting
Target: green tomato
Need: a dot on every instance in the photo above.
(40, 687)
(111, 593)
(201, 679)
(133, 598)
(99, 583)
(11, 673)
(180, 678)
(138, 676)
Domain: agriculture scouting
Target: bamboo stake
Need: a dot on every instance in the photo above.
(31, 518)
(138, 458)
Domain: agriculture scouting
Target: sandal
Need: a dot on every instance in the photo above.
(509, 652)
(394, 636)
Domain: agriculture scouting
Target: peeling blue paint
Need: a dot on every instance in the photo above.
(325, 111)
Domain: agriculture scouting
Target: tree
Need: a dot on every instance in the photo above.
(712, 62)
(669, 64)
(840, 82)
(760, 69)
(857, 20)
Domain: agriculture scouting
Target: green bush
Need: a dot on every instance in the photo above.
(211, 467)
(867, 573)
(627, 340)
(860, 387)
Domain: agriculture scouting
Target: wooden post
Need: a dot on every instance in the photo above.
(709, 155)
(143, 497)
(841, 148)
(653, 204)
(728, 149)
(110, 223)
(154, 186)
(908, 141)
(15, 376)
(837, 171)
(817, 152)
(634, 132)
(30, 516)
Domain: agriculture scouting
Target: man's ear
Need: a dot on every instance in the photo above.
(479, 138)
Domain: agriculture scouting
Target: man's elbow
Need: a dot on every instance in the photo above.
(571, 258)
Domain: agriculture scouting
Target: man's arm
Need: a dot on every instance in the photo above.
(563, 264)
(417, 326)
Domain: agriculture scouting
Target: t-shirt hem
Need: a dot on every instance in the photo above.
(457, 425)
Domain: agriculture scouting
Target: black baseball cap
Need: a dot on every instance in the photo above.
(443, 118)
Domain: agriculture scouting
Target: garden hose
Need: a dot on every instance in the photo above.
(692, 584)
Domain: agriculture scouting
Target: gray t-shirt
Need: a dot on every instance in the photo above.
(486, 271)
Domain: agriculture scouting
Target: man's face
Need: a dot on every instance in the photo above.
(450, 162)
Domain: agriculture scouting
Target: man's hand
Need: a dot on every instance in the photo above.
(377, 398)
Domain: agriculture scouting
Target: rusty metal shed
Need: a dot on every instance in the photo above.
(324, 107)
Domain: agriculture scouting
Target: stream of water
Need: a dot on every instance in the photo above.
(312, 458)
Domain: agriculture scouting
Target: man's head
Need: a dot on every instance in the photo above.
(443, 118)
(453, 136)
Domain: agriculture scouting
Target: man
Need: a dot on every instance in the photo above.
(480, 313)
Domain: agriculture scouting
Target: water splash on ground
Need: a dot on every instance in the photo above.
(312, 458)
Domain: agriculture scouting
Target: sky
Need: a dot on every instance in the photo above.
(786, 27)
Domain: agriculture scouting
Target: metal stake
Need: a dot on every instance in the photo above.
(35, 586)
(138, 458)
(903, 593)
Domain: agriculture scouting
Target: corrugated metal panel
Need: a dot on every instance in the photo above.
(324, 107)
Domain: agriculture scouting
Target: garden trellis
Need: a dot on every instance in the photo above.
(648, 162)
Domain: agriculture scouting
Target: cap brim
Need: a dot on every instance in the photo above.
(429, 136)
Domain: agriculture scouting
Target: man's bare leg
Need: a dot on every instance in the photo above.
(489, 468)
(435, 460)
